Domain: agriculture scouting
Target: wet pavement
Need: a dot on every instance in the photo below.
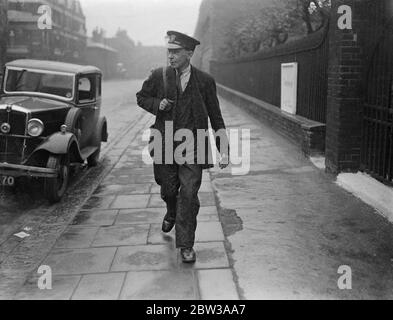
(20, 209)
(289, 227)
(279, 232)
(114, 247)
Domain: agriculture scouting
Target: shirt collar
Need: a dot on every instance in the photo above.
(186, 70)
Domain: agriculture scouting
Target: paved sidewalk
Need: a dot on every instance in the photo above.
(115, 249)
(279, 232)
(289, 226)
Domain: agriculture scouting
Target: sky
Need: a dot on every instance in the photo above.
(145, 20)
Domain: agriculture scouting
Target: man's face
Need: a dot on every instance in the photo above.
(179, 58)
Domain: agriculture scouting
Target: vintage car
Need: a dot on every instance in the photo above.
(49, 122)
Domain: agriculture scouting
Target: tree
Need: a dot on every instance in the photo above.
(314, 13)
(274, 25)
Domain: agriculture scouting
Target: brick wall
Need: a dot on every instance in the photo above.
(349, 59)
(309, 135)
(346, 74)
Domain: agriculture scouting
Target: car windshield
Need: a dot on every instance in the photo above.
(40, 82)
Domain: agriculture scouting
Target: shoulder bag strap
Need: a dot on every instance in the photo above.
(165, 81)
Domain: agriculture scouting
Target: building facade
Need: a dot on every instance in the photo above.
(102, 56)
(46, 29)
(138, 60)
(3, 32)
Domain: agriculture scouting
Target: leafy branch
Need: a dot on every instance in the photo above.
(275, 25)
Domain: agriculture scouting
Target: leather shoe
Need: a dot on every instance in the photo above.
(188, 255)
(167, 226)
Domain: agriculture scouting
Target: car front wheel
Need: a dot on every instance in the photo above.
(56, 187)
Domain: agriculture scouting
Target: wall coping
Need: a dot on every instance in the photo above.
(302, 121)
(308, 134)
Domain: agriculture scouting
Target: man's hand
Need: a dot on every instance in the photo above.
(224, 161)
(166, 105)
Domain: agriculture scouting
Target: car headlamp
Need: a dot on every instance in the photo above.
(35, 127)
(5, 128)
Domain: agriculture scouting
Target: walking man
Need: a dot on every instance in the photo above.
(183, 97)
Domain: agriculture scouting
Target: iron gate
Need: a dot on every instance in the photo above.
(377, 144)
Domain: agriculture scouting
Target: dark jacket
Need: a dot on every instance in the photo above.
(201, 98)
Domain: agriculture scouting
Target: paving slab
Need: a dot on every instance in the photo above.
(80, 261)
(76, 237)
(62, 289)
(209, 231)
(137, 216)
(155, 188)
(251, 191)
(160, 285)
(121, 236)
(205, 175)
(131, 161)
(105, 286)
(208, 218)
(118, 189)
(156, 202)
(148, 257)
(95, 218)
(156, 236)
(206, 199)
(97, 203)
(217, 284)
(117, 151)
(210, 255)
(127, 179)
(208, 210)
(129, 170)
(130, 202)
(206, 186)
(156, 215)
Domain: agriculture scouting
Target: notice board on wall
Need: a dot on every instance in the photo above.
(289, 87)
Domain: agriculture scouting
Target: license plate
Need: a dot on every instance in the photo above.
(7, 181)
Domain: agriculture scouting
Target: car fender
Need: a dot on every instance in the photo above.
(73, 115)
(62, 143)
(101, 132)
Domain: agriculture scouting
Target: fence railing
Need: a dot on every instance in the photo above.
(259, 75)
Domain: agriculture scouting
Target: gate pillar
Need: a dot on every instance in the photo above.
(345, 85)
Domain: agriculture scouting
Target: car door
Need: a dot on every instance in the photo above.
(88, 103)
(98, 95)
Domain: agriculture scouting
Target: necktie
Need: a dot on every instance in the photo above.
(178, 83)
